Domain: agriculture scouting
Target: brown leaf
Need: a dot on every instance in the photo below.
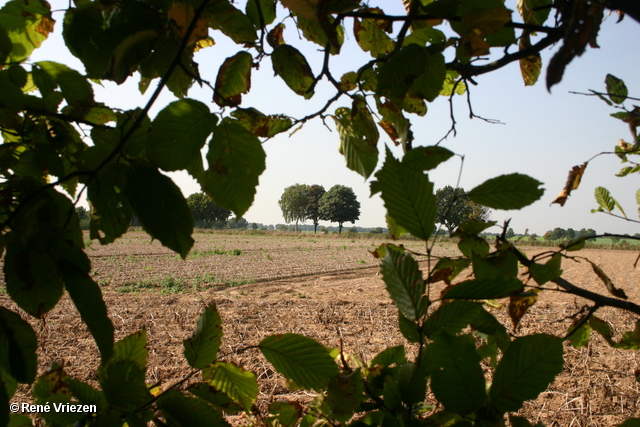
(607, 282)
(573, 181)
(45, 26)
(531, 65)
(519, 305)
(581, 23)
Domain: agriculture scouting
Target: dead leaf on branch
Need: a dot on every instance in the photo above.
(573, 181)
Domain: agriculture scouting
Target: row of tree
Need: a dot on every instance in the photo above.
(301, 202)
(560, 233)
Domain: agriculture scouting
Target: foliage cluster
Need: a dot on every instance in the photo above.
(57, 136)
(455, 207)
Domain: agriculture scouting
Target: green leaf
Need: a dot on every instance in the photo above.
(300, 359)
(506, 192)
(606, 202)
(87, 298)
(223, 16)
(408, 197)
(202, 348)
(534, 12)
(404, 282)
(26, 25)
(398, 73)
(453, 84)
(75, 88)
(394, 123)
(11, 95)
(82, 27)
(481, 289)
(123, 384)
(487, 324)
(287, 413)
(314, 32)
(528, 366)
(360, 152)
(218, 399)
(161, 208)
(256, 9)
(111, 211)
(236, 160)
(456, 376)
(408, 328)
(18, 350)
(237, 383)
(182, 411)
(178, 133)
(371, 36)
(52, 388)
(86, 394)
(630, 422)
(132, 348)
(390, 356)
(616, 89)
(294, 69)
(426, 158)
(262, 125)
(345, 393)
(580, 338)
(452, 317)
(549, 271)
(429, 84)
(234, 79)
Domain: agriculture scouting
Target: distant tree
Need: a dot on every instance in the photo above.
(353, 230)
(558, 233)
(237, 223)
(510, 233)
(340, 205)
(587, 233)
(571, 233)
(453, 207)
(312, 210)
(205, 210)
(548, 236)
(293, 203)
(615, 239)
(82, 213)
(254, 226)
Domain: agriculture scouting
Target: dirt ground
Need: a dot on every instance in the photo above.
(348, 302)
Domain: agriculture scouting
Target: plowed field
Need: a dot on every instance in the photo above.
(327, 288)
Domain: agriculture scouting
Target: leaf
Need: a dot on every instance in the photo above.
(161, 208)
(452, 317)
(232, 22)
(234, 79)
(481, 289)
(389, 356)
(26, 25)
(579, 338)
(528, 366)
(534, 12)
(261, 12)
(237, 383)
(603, 328)
(426, 158)
(236, 160)
(360, 152)
(530, 66)
(178, 133)
(408, 197)
(345, 393)
(573, 181)
(261, 125)
(300, 359)
(404, 282)
(294, 69)
(607, 281)
(111, 211)
(616, 89)
(408, 328)
(51, 388)
(398, 74)
(429, 84)
(371, 35)
(395, 124)
(87, 298)
(507, 192)
(549, 271)
(306, 8)
(453, 84)
(606, 202)
(180, 410)
(18, 352)
(74, 87)
(484, 22)
(521, 303)
(132, 348)
(456, 376)
(202, 348)
(322, 33)
(287, 413)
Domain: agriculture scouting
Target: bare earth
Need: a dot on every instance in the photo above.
(328, 289)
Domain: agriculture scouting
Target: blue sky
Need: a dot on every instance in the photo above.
(544, 134)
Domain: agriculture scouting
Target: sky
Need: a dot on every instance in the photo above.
(541, 134)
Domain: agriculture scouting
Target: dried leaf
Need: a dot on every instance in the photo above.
(573, 181)
(530, 66)
(519, 305)
(607, 282)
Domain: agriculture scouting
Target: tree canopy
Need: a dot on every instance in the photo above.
(340, 205)
(453, 207)
(61, 143)
(294, 203)
(204, 209)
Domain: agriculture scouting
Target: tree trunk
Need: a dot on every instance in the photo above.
(315, 227)
(339, 228)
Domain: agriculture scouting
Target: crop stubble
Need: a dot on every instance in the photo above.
(328, 289)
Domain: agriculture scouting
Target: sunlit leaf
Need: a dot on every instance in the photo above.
(262, 125)
(300, 359)
(237, 383)
(573, 181)
(404, 282)
(408, 197)
(371, 35)
(531, 65)
(234, 79)
(183, 411)
(26, 24)
(202, 348)
(616, 89)
(360, 152)
(534, 12)
(294, 69)
(506, 192)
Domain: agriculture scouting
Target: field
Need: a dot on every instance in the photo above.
(327, 288)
